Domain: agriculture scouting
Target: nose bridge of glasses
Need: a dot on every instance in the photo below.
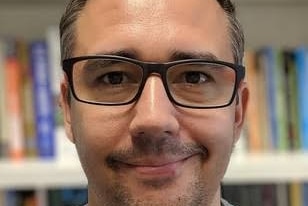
(157, 68)
(154, 68)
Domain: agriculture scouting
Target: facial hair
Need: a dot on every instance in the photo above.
(120, 195)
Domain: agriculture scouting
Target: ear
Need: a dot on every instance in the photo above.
(240, 109)
(65, 105)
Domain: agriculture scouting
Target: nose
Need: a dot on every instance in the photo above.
(155, 115)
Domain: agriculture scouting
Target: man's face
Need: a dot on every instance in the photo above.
(153, 152)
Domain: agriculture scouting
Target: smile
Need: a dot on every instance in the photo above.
(149, 168)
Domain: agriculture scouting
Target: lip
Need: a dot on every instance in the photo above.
(154, 167)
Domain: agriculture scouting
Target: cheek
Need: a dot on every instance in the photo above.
(215, 131)
(97, 131)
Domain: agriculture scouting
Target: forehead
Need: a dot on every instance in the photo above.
(162, 25)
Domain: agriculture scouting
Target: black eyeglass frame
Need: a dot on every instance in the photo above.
(149, 68)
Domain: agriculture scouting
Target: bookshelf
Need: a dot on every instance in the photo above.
(281, 23)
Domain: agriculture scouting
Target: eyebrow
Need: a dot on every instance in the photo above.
(128, 53)
(179, 55)
(175, 55)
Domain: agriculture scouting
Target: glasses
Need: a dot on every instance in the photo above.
(115, 80)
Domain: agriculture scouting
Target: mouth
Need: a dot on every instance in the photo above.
(157, 168)
(154, 167)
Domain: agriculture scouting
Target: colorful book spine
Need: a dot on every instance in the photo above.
(281, 106)
(262, 103)
(13, 103)
(27, 99)
(291, 100)
(301, 56)
(252, 117)
(43, 100)
(295, 195)
(267, 62)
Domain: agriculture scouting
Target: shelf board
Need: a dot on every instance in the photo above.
(243, 169)
(41, 174)
(268, 168)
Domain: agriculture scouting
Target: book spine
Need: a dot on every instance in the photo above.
(268, 64)
(253, 118)
(27, 99)
(291, 100)
(295, 189)
(3, 127)
(302, 76)
(43, 100)
(305, 194)
(281, 106)
(261, 98)
(13, 97)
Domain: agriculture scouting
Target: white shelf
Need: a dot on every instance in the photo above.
(244, 169)
(41, 174)
(268, 168)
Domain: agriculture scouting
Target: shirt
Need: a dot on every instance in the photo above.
(225, 203)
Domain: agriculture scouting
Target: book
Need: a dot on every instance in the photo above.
(269, 195)
(67, 196)
(20, 198)
(13, 102)
(281, 107)
(291, 100)
(11, 198)
(295, 190)
(262, 93)
(276, 82)
(282, 194)
(266, 58)
(27, 99)
(253, 114)
(2, 197)
(305, 194)
(43, 100)
(3, 114)
(301, 59)
(255, 195)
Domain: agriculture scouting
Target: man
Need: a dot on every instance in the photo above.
(153, 98)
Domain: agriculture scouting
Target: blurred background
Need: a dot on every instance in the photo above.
(39, 166)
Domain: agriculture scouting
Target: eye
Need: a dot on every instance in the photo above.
(195, 77)
(114, 78)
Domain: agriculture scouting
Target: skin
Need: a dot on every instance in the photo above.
(137, 154)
